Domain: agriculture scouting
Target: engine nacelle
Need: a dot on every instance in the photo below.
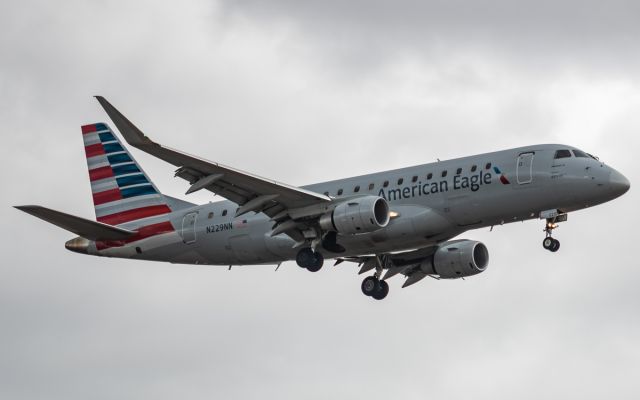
(457, 259)
(359, 215)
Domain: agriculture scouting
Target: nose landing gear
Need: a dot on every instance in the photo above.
(549, 243)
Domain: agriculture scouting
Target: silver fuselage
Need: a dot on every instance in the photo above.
(430, 203)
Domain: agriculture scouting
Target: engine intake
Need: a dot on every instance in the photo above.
(360, 215)
(457, 259)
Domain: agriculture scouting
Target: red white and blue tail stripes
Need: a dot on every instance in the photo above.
(121, 190)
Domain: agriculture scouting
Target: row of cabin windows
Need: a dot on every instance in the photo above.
(414, 179)
(224, 213)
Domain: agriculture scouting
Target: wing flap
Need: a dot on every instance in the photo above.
(85, 228)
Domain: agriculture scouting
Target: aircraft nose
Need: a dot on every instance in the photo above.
(618, 183)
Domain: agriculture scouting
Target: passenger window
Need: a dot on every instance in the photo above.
(581, 154)
(356, 189)
(210, 215)
(339, 192)
(400, 181)
(562, 154)
(385, 184)
(371, 186)
(488, 166)
(429, 176)
(474, 168)
(414, 179)
(444, 173)
(224, 212)
(458, 171)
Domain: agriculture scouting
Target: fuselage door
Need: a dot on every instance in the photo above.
(189, 228)
(524, 169)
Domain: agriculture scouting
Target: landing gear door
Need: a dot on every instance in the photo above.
(524, 168)
(189, 228)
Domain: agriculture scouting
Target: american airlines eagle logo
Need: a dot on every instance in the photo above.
(503, 178)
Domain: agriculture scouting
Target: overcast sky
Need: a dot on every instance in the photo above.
(304, 92)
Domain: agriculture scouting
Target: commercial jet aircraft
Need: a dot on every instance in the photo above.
(398, 222)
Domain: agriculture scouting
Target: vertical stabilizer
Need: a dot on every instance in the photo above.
(122, 192)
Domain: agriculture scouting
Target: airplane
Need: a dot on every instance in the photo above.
(398, 222)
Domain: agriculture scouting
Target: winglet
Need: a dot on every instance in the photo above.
(134, 136)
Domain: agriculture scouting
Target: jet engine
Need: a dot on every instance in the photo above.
(359, 215)
(457, 259)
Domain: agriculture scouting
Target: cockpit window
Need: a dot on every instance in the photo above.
(562, 154)
(581, 154)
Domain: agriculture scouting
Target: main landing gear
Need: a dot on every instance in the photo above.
(309, 259)
(374, 287)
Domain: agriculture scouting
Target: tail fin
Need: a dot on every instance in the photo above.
(122, 192)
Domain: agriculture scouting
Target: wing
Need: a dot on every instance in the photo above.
(250, 192)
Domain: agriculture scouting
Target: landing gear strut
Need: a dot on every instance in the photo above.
(549, 243)
(309, 259)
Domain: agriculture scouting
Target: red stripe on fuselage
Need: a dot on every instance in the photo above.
(100, 173)
(94, 150)
(142, 233)
(132, 215)
(107, 196)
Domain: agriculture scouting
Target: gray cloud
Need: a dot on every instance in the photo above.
(304, 92)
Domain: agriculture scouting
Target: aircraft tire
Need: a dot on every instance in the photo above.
(318, 260)
(370, 285)
(555, 246)
(547, 243)
(305, 257)
(382, 292)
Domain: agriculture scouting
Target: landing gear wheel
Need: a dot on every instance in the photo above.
(318, 260)
(382, 292)
(305, 257)
(551, 244)
(370, 285)
(309, 259)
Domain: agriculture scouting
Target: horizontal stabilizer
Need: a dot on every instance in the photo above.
(85, 228)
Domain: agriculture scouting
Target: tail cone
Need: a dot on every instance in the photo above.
(77, 245)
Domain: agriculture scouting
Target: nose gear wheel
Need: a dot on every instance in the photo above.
(549, 243)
